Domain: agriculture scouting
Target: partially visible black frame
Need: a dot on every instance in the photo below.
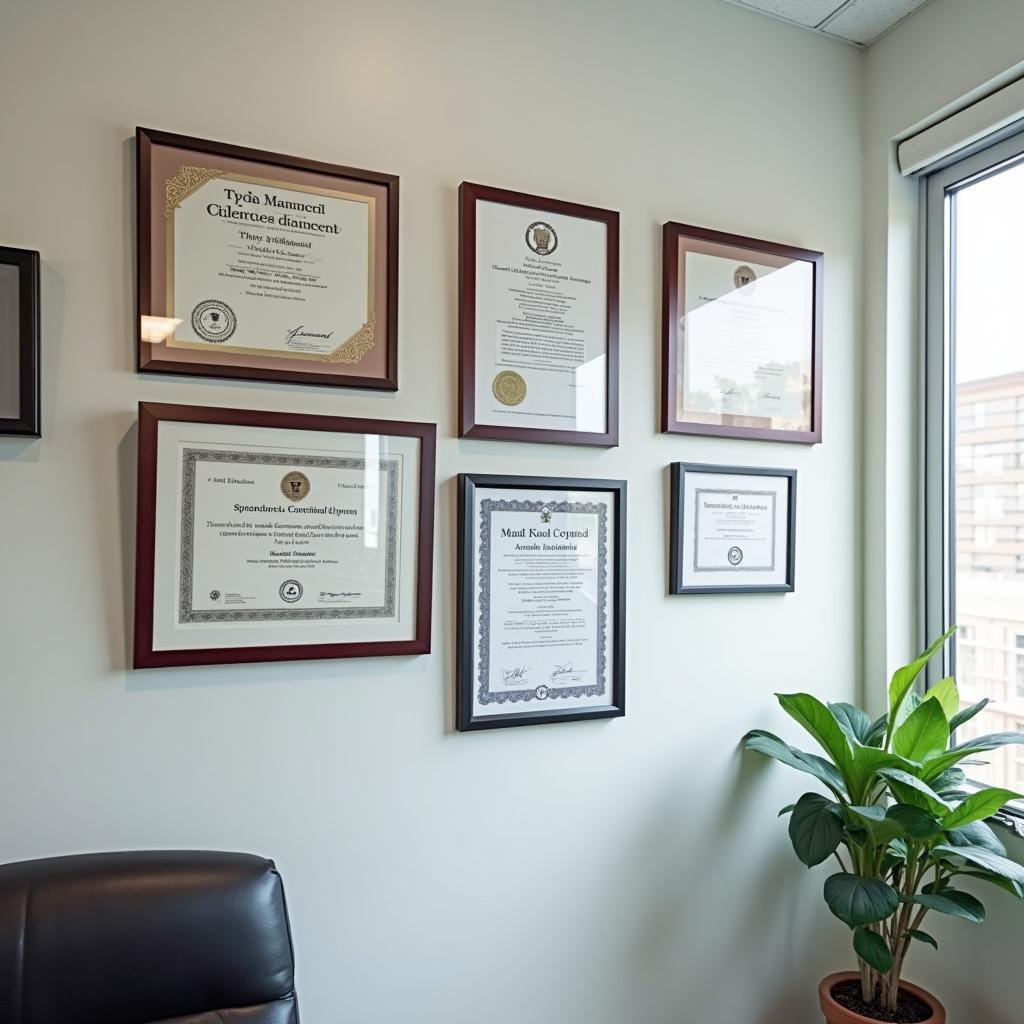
(679, 472)
(468, 484)
(27, 422)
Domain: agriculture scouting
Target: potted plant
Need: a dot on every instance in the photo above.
(903, 827)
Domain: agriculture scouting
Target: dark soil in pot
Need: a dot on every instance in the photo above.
(909, 1009)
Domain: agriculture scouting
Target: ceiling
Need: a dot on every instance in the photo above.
(860, 22)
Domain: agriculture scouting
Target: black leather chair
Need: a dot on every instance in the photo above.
(140, 938)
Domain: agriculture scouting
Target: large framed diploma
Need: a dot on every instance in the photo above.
(264, 266)
(272, 536)
(741, 330)
(19, 342)
(733, 530)
(541, 604)
(538, 320)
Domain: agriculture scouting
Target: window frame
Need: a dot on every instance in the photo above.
(938, 441)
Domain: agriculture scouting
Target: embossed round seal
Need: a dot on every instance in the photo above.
(290, 591)
(743, 275)
(213, 320)
(295, 485)
(541, 238)
(541, 693)
(735, 555)
(509, 387)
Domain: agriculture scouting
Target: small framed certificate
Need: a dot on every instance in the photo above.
(541, 603)
(733, 530)
(19, 342)
(538, 321)
(264, 266)
(741, 332)
(279, 537)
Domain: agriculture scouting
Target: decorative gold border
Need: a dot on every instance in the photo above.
(189, 180)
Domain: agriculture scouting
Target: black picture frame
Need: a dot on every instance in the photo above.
(679, 471)
(26, 340)
(468, 484)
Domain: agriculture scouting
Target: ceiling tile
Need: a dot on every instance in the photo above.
(863, 21)
(804, 12)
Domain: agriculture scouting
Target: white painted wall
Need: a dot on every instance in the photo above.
(948, 51)
(599, 872)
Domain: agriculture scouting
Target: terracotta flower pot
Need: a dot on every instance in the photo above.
(836, 1013)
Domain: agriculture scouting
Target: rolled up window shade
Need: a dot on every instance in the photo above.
(994, 115)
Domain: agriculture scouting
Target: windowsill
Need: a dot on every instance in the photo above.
(1013, 820)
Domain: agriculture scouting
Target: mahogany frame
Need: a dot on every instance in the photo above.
(145, 139)
(151, 414)
(671, 235)
(469, 195)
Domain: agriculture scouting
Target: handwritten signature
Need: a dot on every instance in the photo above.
(301, 332)
(565, 669)
(511, 675)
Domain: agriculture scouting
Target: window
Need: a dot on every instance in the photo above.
(974, 431)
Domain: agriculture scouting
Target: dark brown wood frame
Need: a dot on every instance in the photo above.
(465, 612)
(27, 422)
(469, 194)
(672, 232)
(145, 139)
(150, 416)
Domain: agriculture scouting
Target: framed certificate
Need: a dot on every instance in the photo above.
(278, 537)
(263, 266)
(741, 330)
(541, 604)
(538, 319)
(733, 530)
(19, 342)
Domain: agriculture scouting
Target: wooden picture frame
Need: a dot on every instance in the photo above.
(556, 357)
(275, 266)
(762, 402)
(163, 518)
(737, 515)
(573, 689)
(19, 343)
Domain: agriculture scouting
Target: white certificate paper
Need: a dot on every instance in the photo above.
(747, 331)
(541, 319)
(543, 600)
(270, 268)
(282, 537)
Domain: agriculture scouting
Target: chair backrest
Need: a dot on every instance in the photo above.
(135, 938)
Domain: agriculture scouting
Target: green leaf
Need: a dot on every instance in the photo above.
(953, 902)
(952, 780)
(979, 806)
(962, 717)
(946, 693)
(937, 765)
(818, 721)
(787, 809)
(867, 766)
(1013, 888)
(985, 859)
(771, 746)
(858, 901)
(854, 722)
(904, 678)
(871, 948)
(977, 833)
(815, 828)
(908, 789)
(914, 821)
(925, 734)
(876, 734)
(923, 937)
